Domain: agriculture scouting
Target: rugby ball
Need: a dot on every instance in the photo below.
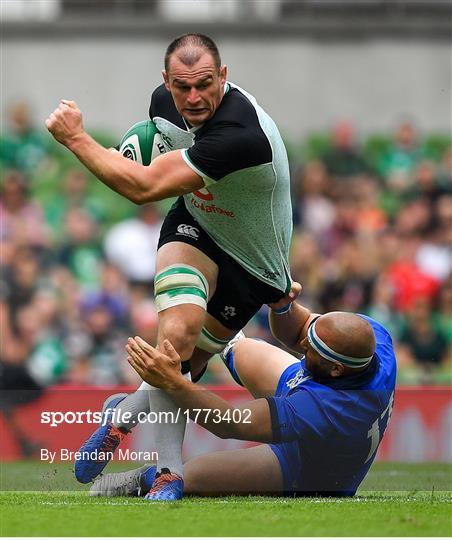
(142, 143)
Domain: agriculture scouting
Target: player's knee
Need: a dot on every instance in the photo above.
(243, 350)
(183, 334)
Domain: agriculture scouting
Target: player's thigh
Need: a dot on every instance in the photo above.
(186, 277)
(254, 470)
(182, 253)
(183, 241)
(260, 365)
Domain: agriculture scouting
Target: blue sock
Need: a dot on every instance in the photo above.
(228, 361)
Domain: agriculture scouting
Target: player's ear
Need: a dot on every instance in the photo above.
(223, 74)
(337, 370)
(166, 79)
(303, 345)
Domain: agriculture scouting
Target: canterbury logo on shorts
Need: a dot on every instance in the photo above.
(188, 230)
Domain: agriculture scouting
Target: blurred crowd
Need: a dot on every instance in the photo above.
(372, 234)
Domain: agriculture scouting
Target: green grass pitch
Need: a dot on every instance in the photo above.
(395, 500)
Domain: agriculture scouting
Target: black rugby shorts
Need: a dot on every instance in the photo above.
(239, 295)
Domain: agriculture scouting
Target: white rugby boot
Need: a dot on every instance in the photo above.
(132, 483)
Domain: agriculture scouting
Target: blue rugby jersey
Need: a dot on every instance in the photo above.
(332, 428)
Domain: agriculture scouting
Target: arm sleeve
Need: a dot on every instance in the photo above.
(296, 416)
(227, 148)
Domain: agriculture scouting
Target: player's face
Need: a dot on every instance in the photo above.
(197, 90)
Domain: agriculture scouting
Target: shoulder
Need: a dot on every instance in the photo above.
(160, 97)
(236, 109)
(387, 365)
(381, 333)
(310, 397)
(162, 106)
(233, 136)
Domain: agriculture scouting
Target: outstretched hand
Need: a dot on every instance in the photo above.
(290, 297)
(65, 123)
(160, 368)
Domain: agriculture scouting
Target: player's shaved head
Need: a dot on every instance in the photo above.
(347, 334)
(190, 47)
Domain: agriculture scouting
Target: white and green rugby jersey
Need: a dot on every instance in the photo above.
(245, 205)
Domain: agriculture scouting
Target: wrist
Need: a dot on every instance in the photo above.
(178, 384)
(75, 142)
(282, 310)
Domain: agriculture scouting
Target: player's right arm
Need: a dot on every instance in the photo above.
(289, 321)
(167, 176)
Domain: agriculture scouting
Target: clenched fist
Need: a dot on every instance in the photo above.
(290, 297)
(65, 123)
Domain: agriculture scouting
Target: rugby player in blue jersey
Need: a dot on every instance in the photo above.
(322, 417)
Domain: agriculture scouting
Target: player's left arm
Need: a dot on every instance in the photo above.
(167, 176)
(289, 321)
(251, 421)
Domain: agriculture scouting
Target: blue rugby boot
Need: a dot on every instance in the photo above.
(98, 450)
(167, 487)
(133, 483)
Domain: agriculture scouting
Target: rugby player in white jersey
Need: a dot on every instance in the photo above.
(223, 249)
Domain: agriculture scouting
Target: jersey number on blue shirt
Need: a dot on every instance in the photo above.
(374, 433)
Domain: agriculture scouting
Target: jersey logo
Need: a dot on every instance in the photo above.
(211, 208)
(188, 230)
(267, 274)
(228, 312)
(204, 194)
(298, 379)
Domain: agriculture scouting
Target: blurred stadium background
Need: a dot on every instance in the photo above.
(361, 91)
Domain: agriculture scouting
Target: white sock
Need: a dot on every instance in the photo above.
(168, 436)
(133, 404)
